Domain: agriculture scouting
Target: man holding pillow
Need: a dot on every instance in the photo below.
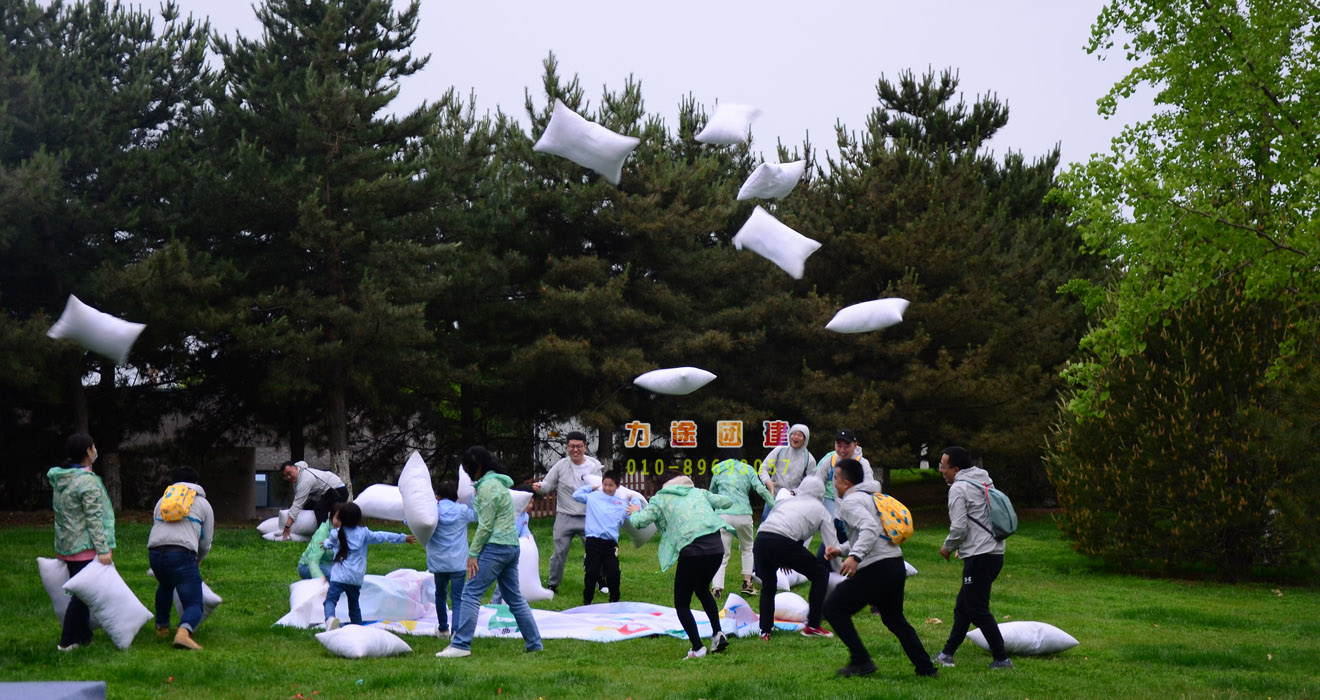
(981, 553)
(567, 476)
(319, 489)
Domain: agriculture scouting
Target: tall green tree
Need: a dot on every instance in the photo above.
(328, 211)
(97, 108)
(1220, 183)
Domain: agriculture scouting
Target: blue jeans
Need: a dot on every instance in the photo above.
(176, 570)
(332, 600)
(497, 563)
(453, 580)
(304, 571)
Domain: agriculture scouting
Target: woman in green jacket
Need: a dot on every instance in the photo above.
(689, 535)
(84, 528)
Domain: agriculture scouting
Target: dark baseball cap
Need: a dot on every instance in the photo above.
(845, 436)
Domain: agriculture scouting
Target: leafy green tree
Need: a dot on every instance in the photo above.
(97, 106)
(328, 211)
(1220, 183)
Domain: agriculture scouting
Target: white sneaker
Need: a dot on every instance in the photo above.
(452, 652)
(71, 647)
(443, 634)
(605, 590)
(332, 624)
(697, 654)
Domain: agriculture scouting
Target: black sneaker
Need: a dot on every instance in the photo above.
(719, 643)
(932, 673)
(1005, 665)
(857, 670)
(944, 659)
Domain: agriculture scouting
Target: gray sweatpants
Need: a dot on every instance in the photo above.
(566, 526)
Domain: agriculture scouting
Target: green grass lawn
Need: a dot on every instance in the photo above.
(1139, 637)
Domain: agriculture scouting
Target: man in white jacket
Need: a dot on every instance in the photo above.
(312, 488)
(567, 476)
(982, 555)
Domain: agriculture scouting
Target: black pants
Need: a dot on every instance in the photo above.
(973, 605)
(772, 552)
(693, 577)
(602, 564)
(327, 501)
(77, 617)
(879, 584)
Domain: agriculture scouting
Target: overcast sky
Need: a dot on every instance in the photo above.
(805, 65)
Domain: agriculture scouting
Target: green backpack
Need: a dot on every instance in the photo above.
(1003, 519)
(895, 518)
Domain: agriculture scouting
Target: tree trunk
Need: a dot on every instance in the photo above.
(605, 445)
(110, 474)
(339, 462)
(297, 438)
(79, 400)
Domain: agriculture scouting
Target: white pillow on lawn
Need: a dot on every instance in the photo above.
(304, 525)
(785, 581)
(268, 525)
(381, 501)
(674, 381)
(868, 316)
(358, 642)
(772, 180)
(585, 143)
(1026, 638)
(111, 601)
(306, 603)
(278, 536)
(529, 571)
(764, 235)
(418, 498)
(53, 575)
(729, 125)
(95, 330)
(790, 607)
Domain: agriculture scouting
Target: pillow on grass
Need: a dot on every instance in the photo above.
(304, 525)
(529, 571)
(790, 607)
(1026, 638)
(868, 316)
(772, 180)
(675, 381)
(97, 331)
(585, 143)
(729, 124)
(111, 601)
(418, 498)
(53, 575)
(358, 642)
(278, 536)
(781, 245)
(381, 501)
(268, 525)
(306, 603)
(785, 581)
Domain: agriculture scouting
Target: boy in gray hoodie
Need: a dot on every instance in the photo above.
(876, 575)
(779, 544)
(174, 549)
(981, 553)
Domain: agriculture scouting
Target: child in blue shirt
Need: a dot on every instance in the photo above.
(605, 513)
(349, 542)
(446, 553)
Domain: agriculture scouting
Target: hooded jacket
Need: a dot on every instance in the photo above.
(84, 517)
(857, 510)
(495, 516)
(682, 513)
(194, 532)
(825, 470)
(801, 516)
(786, 466)
(309, 486)
(733, 479)
(967, 503)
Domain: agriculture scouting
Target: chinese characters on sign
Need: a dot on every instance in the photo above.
(683, 433)
(728, 433)
(639, 434)
(775, 433)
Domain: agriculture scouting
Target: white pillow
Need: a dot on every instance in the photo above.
(381, 501)
(781, 245)
(675, 381)
(53, 575)
(358, 642)
(868, 316)
(268, 525)
(585, 143)
(465, 488)
(529, 571)
(520, 500)
(111, 601)
(1023, 637)
(278, 536)
(638, 537)
(97, 331)
(785, 581)
(790, 607)
(306, 603)
(772, 180)
(911, 570)
(210, 601)
(304, 525)
(729, 124)
(418, 498)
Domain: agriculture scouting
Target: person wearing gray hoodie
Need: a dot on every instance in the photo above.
(982, 555)
(779, 545)
(875, 572)
(174, 549)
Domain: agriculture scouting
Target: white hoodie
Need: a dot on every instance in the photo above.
(804, 514)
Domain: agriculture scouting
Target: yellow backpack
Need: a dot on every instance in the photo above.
(895, 518)
(176, 503)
